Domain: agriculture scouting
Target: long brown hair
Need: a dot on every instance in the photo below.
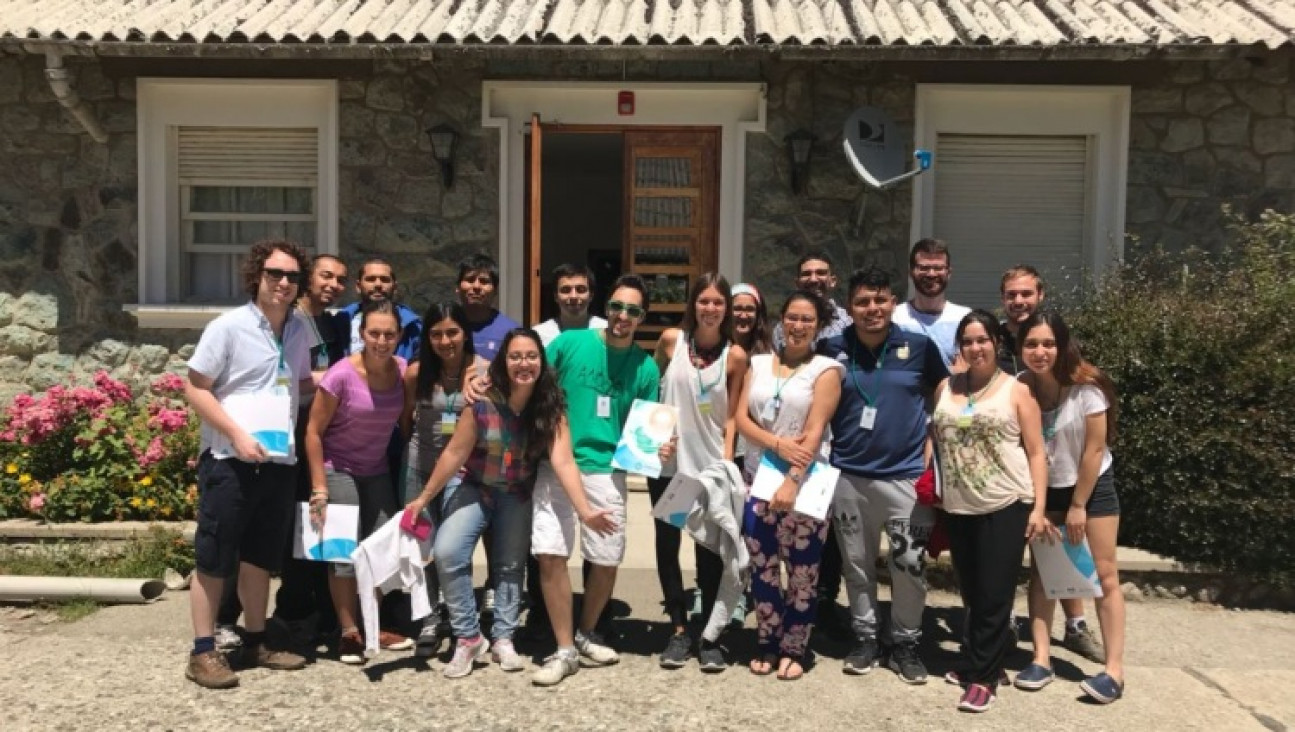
(699, 285)
(1071, 368)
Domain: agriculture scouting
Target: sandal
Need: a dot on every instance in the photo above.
(785, 672)
(767, 660)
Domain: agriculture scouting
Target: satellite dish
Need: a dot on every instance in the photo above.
(875, 149)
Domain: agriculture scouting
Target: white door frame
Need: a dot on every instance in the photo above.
(508, 105)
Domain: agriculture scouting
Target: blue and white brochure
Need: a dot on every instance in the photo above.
(1067, 570)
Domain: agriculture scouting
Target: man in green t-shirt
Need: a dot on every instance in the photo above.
(602, 372)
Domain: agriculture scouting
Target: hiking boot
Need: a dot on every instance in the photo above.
(262, 655)
(350, 648)
(210, 670)
(1083, 642)
(557, 667)
(905, 661)
(227, 638)
(711, 657)
(506, 656)
(466, 655)
(592, 650)
(677, 651)
(862, 657)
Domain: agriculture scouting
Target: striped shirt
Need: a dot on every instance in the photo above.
(356, 440)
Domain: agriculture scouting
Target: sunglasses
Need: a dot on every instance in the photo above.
(293, 275)
(633, 311)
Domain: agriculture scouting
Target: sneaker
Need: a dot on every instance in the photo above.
(1083, 642)
(506, 656)
(593, 652)
(905, 661)
(1034, 677)
(955, 678)
(488, 601)
(677, 651)
(557, 667)
(227, 638)
(429, 640)
(862, 658)
(1102, 688)
(210, 670)
(711, 657)
(275, 660)
(350, 648)
(466, 655)
(976, 698)
(389, 641)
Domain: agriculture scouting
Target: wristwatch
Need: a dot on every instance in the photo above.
(794, 476)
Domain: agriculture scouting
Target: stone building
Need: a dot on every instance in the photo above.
(144, 144)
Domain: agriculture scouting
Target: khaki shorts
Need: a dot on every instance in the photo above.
(554, 521)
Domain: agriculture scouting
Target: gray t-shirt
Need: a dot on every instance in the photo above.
(239, 353)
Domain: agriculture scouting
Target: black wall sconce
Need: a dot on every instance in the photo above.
(445, 142)
(800, 146)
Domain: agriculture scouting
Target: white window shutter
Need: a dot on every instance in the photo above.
(248, 155)
(1003, 200)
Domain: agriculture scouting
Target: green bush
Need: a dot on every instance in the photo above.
(1200, 347)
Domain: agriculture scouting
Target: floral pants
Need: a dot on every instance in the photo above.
(784, 617)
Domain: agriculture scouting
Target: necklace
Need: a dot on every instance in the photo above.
(973, 397)
(703, 356)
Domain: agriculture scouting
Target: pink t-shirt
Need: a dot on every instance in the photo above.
(356, 440)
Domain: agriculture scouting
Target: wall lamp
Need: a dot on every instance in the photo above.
(800, 146)
(445, 142)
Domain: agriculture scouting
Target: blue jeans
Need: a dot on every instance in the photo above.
(465, 515)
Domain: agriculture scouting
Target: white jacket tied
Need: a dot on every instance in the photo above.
(715, 522)
(388, 560)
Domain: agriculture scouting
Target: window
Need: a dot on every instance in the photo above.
(224, 164)
(1022, 175)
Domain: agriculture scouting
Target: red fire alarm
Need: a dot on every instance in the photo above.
(625, 103)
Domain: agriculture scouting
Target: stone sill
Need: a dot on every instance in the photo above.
(20, 530)
(174, 317)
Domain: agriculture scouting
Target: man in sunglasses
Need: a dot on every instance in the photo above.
(377, 281)
(255, 353)
(602, 372)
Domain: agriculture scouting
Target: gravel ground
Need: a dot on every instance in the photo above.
(1191, 666)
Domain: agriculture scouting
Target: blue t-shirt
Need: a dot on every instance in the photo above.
(911, 369)
(488, 335)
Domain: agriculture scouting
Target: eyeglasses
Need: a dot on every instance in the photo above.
(615, 307)
(275, 274)
(533, 357)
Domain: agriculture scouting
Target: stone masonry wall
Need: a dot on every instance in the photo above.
(1201, 134)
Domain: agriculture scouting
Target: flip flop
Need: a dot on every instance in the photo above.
(784, 675)
(768, 659)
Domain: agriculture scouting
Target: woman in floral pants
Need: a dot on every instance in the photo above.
(790, 396)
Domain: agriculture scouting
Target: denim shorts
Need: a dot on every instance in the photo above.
(1103, 502)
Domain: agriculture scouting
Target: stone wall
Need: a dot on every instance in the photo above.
(1202, 134)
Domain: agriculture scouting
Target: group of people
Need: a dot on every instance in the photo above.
(505, 435)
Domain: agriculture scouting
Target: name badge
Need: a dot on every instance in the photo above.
(770, 411)
(449, 420)
(604, 406)
(964, 419)
(282, 381)
(703, 404)
(867, 418)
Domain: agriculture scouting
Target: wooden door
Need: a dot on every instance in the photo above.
(671, 227)
(534, 215)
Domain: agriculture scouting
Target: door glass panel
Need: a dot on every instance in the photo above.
(663, 173)
(675, 212)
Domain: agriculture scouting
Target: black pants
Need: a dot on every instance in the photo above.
(710, 568)
(829, 568)
(987, 552)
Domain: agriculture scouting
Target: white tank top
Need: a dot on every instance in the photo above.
(702, 399)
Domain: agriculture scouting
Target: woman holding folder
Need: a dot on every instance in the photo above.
(788, 398)
(1079, 408)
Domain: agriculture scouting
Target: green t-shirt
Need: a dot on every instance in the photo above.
(588, 368)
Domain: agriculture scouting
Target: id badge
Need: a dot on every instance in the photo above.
(964, 419)
(867, 418)
(449, 420)
(770, 411)
(703, 405)
(282, 382)
(604, 406)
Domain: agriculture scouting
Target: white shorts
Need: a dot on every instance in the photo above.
(554, 521)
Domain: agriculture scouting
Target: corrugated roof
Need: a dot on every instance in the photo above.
(685, 22)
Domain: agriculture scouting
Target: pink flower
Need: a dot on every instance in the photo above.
(154, 454)
(169, 420)
(167, 384)
(36, 502)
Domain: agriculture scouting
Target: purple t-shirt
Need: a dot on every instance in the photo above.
(356, 440)
(488, 336)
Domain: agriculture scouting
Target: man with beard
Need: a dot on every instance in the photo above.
(928, 312)
(377, 281)
(478, 284)
(814, 273)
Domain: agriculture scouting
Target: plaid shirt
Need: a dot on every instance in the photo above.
(498, 459)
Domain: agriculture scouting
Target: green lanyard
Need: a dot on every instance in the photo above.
(779, 382)
(876, 376)
(704, 389)
(449, 401)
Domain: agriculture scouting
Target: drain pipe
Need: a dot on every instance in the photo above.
(61, 85)
(110, 591)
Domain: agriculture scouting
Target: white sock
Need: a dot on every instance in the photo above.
(1075, 624)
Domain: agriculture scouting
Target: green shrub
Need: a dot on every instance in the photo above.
(1200, 347)
(144, 556)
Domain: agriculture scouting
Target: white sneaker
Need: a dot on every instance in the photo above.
(227, 638)
(557, 667)
(466, 655)
(506, 656)
(593, 652)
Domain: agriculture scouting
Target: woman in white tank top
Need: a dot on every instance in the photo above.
(701, 370)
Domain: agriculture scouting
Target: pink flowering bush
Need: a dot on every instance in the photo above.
(99, 453)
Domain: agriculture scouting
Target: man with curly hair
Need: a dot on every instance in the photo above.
(245, 491)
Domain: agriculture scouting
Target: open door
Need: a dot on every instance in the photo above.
(534, 213)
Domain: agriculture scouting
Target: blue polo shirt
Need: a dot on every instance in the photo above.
(912, 367)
